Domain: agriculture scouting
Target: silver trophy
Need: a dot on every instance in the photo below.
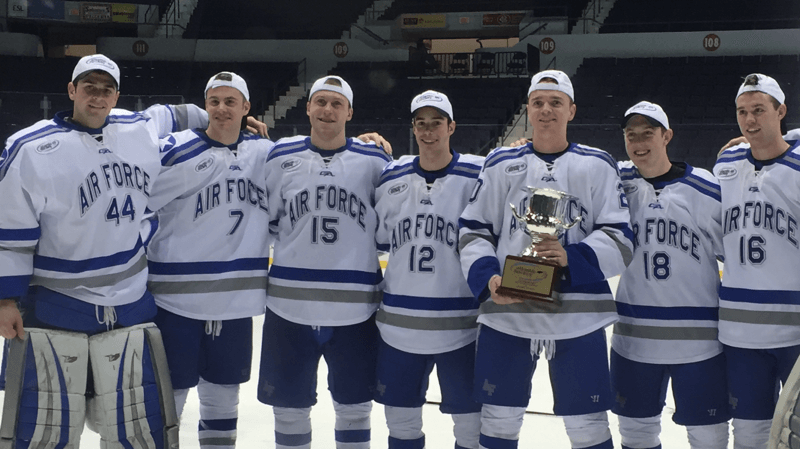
(528, 276)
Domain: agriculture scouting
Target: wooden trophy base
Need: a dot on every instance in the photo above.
(529, 278)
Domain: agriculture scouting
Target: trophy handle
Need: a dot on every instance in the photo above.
(576, 221)
(516, 215)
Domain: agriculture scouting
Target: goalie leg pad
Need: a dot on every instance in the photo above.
(133, 405)
(45, 403)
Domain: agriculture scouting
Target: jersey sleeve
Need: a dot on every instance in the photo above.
(275, 203)
(173, 118)
(19, 225)
(385, 209)
(608, 248)
(175, 180)
(479, 230)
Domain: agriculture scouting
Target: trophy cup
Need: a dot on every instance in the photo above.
(528, 276)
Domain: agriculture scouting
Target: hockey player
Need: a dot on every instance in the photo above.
(667, 297)
(759, 299)
(323, 284)
(513, 332)
(73, 190)
(428, 313)
(211, 189)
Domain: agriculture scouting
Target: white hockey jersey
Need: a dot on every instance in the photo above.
(72, 199)
(597, 248)
(667, 299)
(209, 258)
(760, 293)
(427, 306)
(325, 268)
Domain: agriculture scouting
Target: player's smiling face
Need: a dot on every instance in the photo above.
(328, 112)
(550, 110)
(758, 119)
(647, 146)
(432, 130)
(226, 107)
(93, 98)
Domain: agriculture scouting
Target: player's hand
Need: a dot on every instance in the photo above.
(520, 142)
(550, 248)
(494, 283)
(378, 139)
(732, 143)
(10, 320)
(256, 127)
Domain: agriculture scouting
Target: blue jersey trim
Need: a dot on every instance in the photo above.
(80, 266)
(285, 149)
(396, 172)
(16, 235)
(629, 173)
(787, 297)
(367, 150)
(500, 155)
(352, 436)
(668, 313)
(316, 275)
(11, 152)
(429, 303)
(14, 286)
(385, 247)
(594, 152)
(479, 274)
(174, 155)
(188, 268)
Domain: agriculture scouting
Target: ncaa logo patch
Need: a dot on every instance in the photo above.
(291, 165)
(398, 189)
(205, 164)
(630, 189)
(48, 147)
(727, 173)
(516, 169)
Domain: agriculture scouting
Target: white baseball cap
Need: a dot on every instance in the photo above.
(756, 82)
(96, 62)
(562, 84)
(344, 89)
(433, 99)
(651, 111)
(228, 79)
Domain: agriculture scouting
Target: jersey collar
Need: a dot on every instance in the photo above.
(64, 119)
(431, 176)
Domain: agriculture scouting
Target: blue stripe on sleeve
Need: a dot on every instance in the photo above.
(788, 297)
(14, 286)
(17, 235)
(584, 268)
(385, 247)
(668, 313)
(316, 275)
(479, 274)
(80, 266)
(246, 264)
(428, 303)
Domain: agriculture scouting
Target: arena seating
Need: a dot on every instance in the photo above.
(697, 93)
(243, 19)
(382, 98)
(633, 16)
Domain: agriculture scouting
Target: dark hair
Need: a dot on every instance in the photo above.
(333, 82)
(224, 76)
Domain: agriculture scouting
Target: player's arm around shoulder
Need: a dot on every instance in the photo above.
(187, 164)
(390, 194)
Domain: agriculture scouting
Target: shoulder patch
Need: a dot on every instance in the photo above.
(205, 164)
(629, 188)
(398, 189)
(48, 147)
(291, 164)
(516, 168)
(727, 173)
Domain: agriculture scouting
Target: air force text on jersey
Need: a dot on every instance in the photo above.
(119, 174)
(243, 189)
(760, 215)
(329, 197)
(429, 226)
